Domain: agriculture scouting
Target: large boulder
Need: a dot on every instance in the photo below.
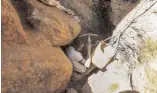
(27, 69)
(33, 66)
(57, 26)
(110, 81)
(12, 30)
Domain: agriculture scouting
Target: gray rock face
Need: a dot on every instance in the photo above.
(90, 16)
(120, 8)
(144, 77)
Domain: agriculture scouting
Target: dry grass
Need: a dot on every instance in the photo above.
(148, 51)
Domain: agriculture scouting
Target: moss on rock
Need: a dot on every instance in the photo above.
(113, 87)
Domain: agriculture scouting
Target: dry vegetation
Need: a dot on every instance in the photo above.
(148, 51)
(113, 87)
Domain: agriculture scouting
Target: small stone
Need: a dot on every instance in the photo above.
(71, 90)
(77, 19)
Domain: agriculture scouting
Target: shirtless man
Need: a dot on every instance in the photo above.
(76, 58)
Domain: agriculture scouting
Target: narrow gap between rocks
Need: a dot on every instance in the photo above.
(81, 43)
(103, 11)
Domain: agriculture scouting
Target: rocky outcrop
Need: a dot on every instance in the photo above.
(88, 17)
(30, 64)
(100, 16)
(134, 65)
(91, 16)
(57, 26)
(120, 8)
